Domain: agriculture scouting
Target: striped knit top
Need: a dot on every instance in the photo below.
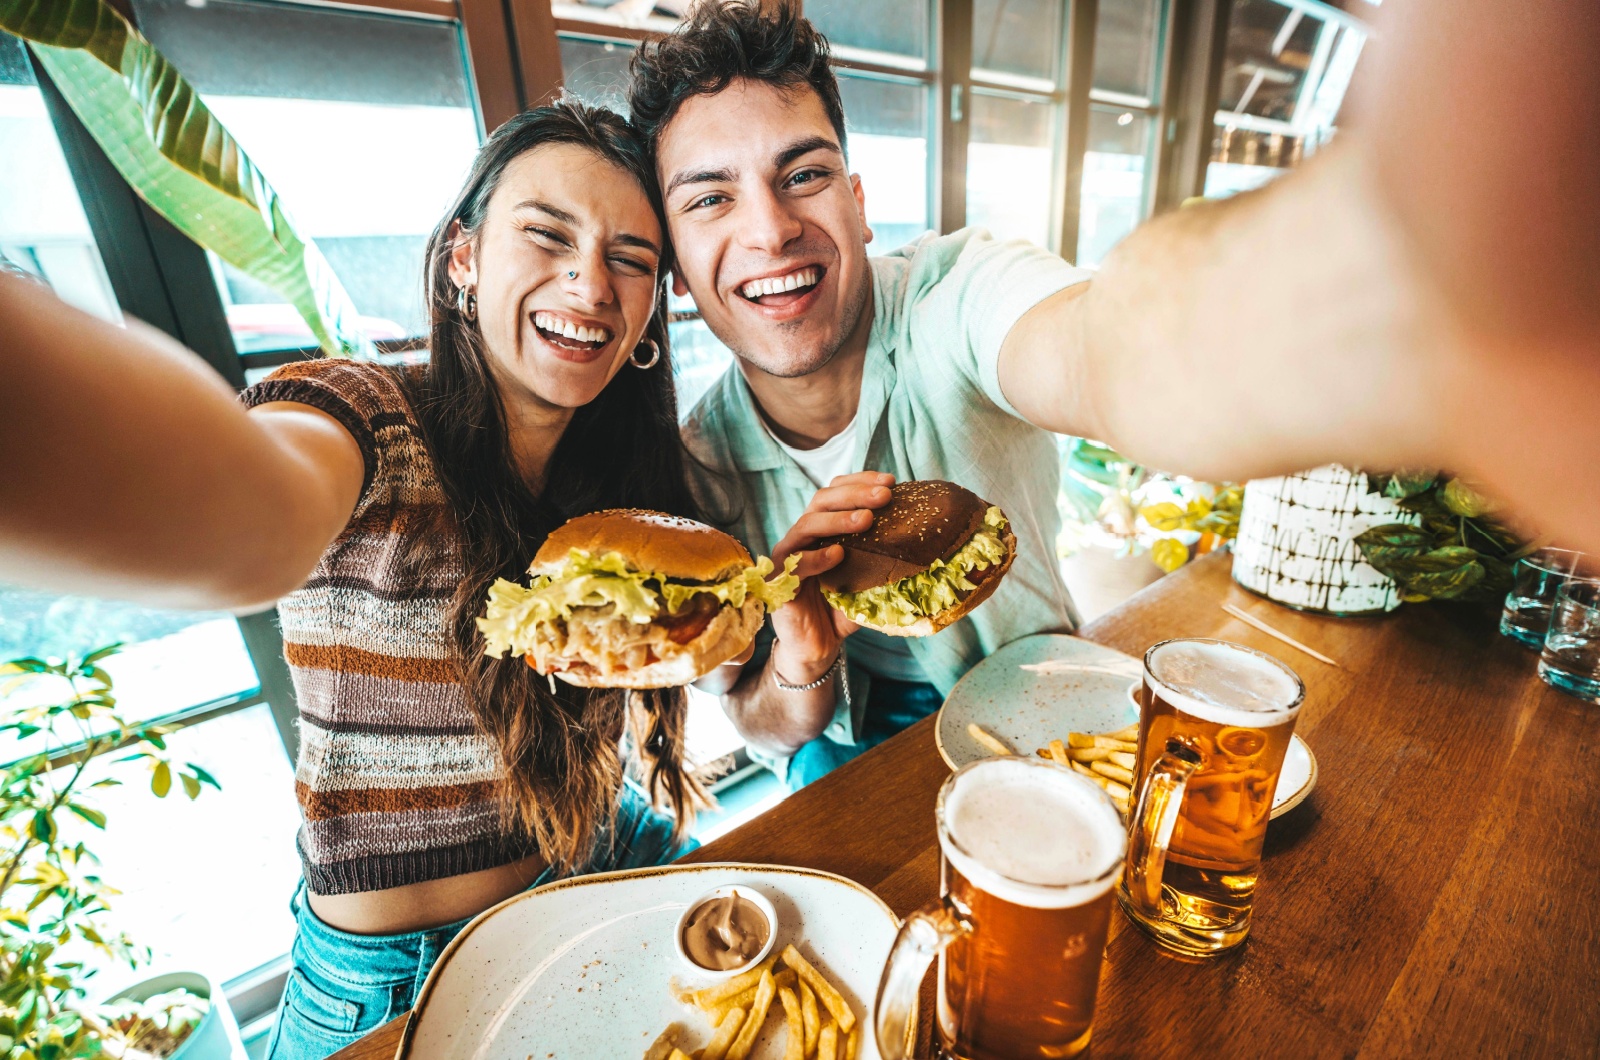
(396, 782)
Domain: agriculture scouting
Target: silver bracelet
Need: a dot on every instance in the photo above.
(836, 667)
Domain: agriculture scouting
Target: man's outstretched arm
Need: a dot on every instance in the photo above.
(1404, 298)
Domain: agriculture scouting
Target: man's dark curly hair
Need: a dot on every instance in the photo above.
(724, 40)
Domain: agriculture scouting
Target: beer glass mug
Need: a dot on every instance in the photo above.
(1214, 724)
(1030, 854)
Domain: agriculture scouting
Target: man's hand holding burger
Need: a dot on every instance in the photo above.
(809, 633)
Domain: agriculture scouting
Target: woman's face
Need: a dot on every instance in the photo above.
(564, 269)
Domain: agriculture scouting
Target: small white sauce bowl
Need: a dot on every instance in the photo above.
(749, 894)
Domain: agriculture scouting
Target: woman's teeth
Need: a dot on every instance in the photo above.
(566, 329)
(807, 277)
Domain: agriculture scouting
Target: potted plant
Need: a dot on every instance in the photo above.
(1457, 549)
(53, 902)
(1297, 542)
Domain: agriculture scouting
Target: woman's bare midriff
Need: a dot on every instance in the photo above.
(431, 904)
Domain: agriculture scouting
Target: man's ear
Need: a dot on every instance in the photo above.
(463, 267)
(861, 206)
(679, 287)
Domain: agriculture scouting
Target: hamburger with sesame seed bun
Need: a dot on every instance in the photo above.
(634, 599)
(932, 554)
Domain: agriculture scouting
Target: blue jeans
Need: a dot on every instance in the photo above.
(342, 986)
(891, 707)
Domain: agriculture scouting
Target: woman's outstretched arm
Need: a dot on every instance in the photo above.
(129, 470)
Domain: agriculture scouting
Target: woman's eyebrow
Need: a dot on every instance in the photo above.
(637, 241)
(567, 217)
(564, 216)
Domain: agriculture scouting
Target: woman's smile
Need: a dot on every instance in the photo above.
(578, 340)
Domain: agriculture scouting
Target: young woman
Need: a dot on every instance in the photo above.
(379, 504)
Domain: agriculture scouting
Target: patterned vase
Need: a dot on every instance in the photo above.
(1296, 542)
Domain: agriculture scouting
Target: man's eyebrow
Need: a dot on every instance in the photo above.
(704, 176)
(557, 212)
(804, 147)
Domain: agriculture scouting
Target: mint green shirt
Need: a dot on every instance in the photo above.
(931, 407)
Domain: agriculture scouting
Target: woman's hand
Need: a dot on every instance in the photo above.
(809, 632)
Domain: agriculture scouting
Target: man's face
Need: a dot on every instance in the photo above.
(769, 227)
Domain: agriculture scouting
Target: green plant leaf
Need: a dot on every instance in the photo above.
(88, 813)
(101, 653)
(43, 826)
(191, 786)
(1400, 483)
(203, 776)
(161, 780)
(182, 161)
(1382, 546)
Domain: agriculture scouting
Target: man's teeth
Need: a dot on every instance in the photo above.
(568, 330)
(780, 284)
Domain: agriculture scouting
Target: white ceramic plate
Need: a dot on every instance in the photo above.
(1074, 685)
(581, 968)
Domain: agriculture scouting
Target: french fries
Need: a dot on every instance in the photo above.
(794, 1046)
(819, 1023)
(828, 1042)
(1107, 758)
(746, 1039)
(808, 1013)
(991, 743)
(727, 1030)
(830, 998)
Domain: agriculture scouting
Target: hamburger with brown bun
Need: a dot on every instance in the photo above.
(634, 599)
(932, 554)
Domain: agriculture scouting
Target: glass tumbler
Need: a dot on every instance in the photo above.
(1533, 591)
(1571, 658)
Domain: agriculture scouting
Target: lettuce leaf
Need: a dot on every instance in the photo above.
(587, 580)
(923, 595)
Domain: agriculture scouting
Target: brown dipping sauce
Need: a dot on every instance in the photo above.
(725, 932)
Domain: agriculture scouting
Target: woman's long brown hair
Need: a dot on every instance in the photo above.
(561, 747)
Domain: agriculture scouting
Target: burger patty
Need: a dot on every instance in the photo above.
(692, 620)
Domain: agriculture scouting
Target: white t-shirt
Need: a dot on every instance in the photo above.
(879, 653)
(828, 461)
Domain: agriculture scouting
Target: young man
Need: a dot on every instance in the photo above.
(845, 363)
(956, 357)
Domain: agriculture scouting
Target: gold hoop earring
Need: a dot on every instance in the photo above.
(655, 355)
(466, 303)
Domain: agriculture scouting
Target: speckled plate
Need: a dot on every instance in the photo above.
(1084, 689)
(581, 968)
(1074, 685)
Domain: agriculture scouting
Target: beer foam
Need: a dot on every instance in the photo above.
(1225, 684)
(1032, 833)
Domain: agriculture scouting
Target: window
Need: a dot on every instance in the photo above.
(596, 71)
(1010, 165)
(206, 884)
(1017, 38)
(887, 122)
(887, 32)
(1127, 47)
(1119, 158)
(1016, 119)
(1284, 79)
(43, 229)
(362, 122)
(1115, 180)
(652, 16)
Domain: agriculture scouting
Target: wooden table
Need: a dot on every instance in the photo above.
(1437, 895)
